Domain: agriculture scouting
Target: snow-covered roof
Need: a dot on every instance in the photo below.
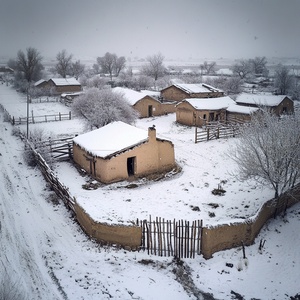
(39, 82)
(133, 96)
(191, 88)
(210, 103)
(241, 109)
(65, 81)
(260, 99)
(111, 139)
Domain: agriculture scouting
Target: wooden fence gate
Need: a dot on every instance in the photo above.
(216, 132)
(180, 239)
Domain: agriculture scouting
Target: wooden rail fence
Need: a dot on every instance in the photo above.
(60, 149)
(39, 119)
(216, 132)
(180, 239)
(60, 190)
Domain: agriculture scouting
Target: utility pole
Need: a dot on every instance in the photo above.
(27, 121)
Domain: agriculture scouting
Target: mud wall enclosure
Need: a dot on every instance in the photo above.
(126, 236)
(227, 236)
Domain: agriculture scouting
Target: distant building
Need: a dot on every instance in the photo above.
(199, 111)
(147, 103)
(279, 104)
(178, 92)
(64, 85)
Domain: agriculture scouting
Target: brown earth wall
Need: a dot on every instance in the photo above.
(227, 236)
(126, 236)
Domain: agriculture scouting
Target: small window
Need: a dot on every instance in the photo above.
(204, 117)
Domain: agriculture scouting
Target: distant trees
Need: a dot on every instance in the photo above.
(283, 80)
(208, 68)
(154, 68)
(29, 64)
(259, 65)
(64, 63)
(256, 66)
(111, 64)
(77, 69)
(268, 151)
(242, 69)
(101, 107)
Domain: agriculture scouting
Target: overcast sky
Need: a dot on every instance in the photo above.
(177, 29)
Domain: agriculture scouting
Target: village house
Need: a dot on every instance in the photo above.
(58, 86)
(178, 92)
(119, 151)
(146, 103)
(41, 84)
(199, 111)
(64, 85)
(240, 113)
(279, 104)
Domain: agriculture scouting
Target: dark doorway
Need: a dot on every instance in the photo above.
(150, 111)
(130, 165)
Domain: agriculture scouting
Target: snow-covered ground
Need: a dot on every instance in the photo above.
(47, 255)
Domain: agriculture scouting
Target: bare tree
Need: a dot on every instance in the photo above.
(64, 63)
(155, 67)
(283, 80)
(101, 107)
(120, 64)
(242, 68)
(29, 64)
(268, 151)
(107, 63)
(259, 65)
(77, 69)
(208, 68)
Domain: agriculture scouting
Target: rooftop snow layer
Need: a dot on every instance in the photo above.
(241, 109)
(196, 88)
(210, 103)
(110, 139)
(65, 81)
(133, 96)
(260, 100)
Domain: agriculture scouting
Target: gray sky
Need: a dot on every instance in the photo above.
(178, 29)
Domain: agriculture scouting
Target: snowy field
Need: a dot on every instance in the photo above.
(51, 258)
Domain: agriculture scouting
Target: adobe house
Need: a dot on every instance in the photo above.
(147, 103)
(279, 104)
(119, 151)
(64, 85)
(199, 111)
(240, 114)
(179, 92)
(41, 84)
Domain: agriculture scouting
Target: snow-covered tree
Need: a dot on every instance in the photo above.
(101, 107)
(268, 151)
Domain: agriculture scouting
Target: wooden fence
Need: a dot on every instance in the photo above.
(180, 239)
(60, 149)
(60, 190)
(216, 132)
(39, 119)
